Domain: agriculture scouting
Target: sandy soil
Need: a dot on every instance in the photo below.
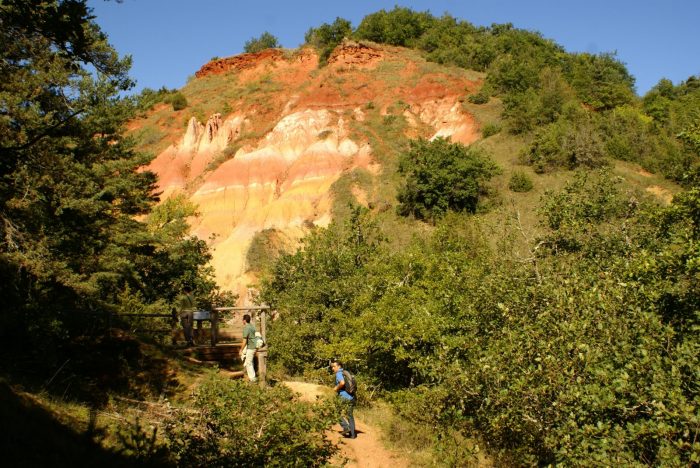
(367, 450)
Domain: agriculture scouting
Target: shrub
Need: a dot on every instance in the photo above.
(442, 176)
(520, 182)
(400, 26)
(237, 424)
(149, 98)
(601, 81)
(571, 142)
(326, 37)
(478, 98)
(586, 352)
(257, 44)
(323, 134)
(490, 129)
(264, 249)
(178, 101)
(537, 106)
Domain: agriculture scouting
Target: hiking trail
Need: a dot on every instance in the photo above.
(367, 450)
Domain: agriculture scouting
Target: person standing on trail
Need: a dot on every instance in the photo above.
(347, 420)
(248, 347)
(186, 308)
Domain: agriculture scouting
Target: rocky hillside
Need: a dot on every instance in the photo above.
(266, 136)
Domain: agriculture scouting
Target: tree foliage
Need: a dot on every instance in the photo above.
(587, 351)
(238, 424)
(400, 26)
(258, 44)
(316, 286)
(571, 142)
(600, 81)
(71, 192)
(442, 176)
(326, 37)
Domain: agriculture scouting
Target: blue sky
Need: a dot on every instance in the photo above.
(169, 40)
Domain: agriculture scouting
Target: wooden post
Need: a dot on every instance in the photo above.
(262, 366)
(173, 327)
(198, 332)
(262, 352)
(214, 327)
(263, 326)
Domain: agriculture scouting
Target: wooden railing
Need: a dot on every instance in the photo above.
(259, 313)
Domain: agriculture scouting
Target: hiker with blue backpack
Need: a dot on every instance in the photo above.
(345, 387)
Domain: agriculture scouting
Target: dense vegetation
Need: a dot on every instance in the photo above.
(583, 349)
(327, 36)
(72, 247)
(81, 239)
(237, 424)
(442, 176)
(575, 343)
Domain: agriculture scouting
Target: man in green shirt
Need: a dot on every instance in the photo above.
(186, 308)
(248, 347)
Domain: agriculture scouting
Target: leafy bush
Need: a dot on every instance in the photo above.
(584, 352)
(149, 98)
(326, 37)
(601, 81)
(677, 120)
(258, 44)
(569, 143)
(490, 129)
(442, 176)
(263, 250)
(238, 424)
(520, 182)
(540, 105)
(178, 101)
(478, 98)
(315, 287)
(400, 26)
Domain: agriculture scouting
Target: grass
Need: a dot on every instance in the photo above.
(98, 409)
(485, 113)
(41, 434)
(389, 72)
(417, 442)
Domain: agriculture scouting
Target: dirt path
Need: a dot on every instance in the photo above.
(367, 450)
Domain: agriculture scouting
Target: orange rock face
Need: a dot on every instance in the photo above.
(282, 178)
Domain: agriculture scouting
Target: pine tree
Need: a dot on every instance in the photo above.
(71, 194)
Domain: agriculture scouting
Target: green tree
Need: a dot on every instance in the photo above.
(314, 289)
(442, 176)
(601, 81)
(572, 141)
(178, 101)
(400, 26)
(264, 41)
(326, 37)
(71, 188)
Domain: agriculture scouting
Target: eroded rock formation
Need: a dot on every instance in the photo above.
(282, 179)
